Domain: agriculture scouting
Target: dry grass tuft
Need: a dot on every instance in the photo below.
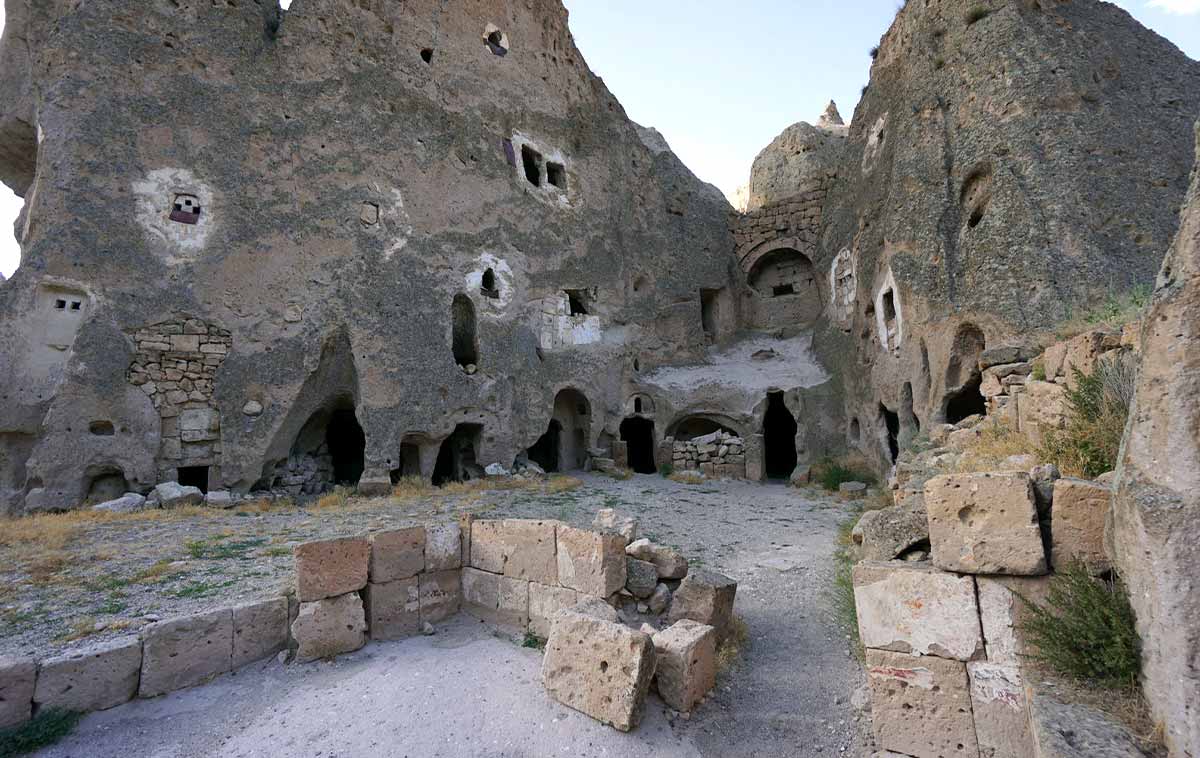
(620, 474)
(688, 477)
(47, 568)
(996, 443)
(412, 487)
(735, 643)
(559, 483)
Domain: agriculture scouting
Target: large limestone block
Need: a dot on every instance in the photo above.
(921, 706)
(183, 652)
(397, 554)
(544, 604)
(670, 564)
(686, 663)
(487, 546)
(443, 547)
(598, 667)
(17, 678)
(984, 524)
(1001, 714)
(329, 568)
(890, 532)
(393, 609)
(1041, 407)
(1002, 612)
(1079, 512)
(440, 595)
(707, 597)
(259, 630)
(329, 627)
(495, 598)
(917, 609)
(529, 550)
(93, 678)
(591, 562)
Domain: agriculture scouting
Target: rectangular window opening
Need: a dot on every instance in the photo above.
(532, 161)
(75, 305)
(577, 302)
(556, 174)
(779, 290)
(194, 476)
(889, 306)
(60, 304)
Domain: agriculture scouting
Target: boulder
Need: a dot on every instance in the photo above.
(641, 577)
(17, 678)
(1000, 711)
(891, 532)
(130, 502)
(686, 663)
(495, 469)
(222, 499)
(393, 609)
(598, 667)
(1077, 526)
(611, 520)
(175, 495)
(259, 630)
(443, 547)
(916, 609)
(670, 564)
(92, 678)
(1072, 730)
(183, 652)
(984, 524)
(329, 568)
(856, 489)
(920, 705)
(1004, 355)
(329, 627)
(440, 594)
(660, 600)
(591, 562)
(396, 554)
(707, 597)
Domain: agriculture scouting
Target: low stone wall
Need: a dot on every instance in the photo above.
(719, 455)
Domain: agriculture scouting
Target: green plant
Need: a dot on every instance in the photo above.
(1097, 408)
(1039, 370)
(832, 474)
(665, 470)
(839, 595)
(216, 548)
(533, 641)
(977, 14)
(874, 52)
(1085, 630)
(47, 727)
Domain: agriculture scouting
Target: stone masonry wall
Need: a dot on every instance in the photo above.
(797, 217)
(720, 455)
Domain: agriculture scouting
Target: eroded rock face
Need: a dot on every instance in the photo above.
(801, 156)
(1154, 526)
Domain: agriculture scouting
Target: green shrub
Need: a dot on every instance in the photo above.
(840, 593)
(1085, 630)
(47, 728)
(533, 642)
(1097, 409)
(831, 474)
(1039, 370)
(666, 470)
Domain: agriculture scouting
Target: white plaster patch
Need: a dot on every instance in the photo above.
(546, 192)
(560, 329)
(876, 138)
(992, 683)
(889, 316)
(394, 222)
(156, 196)
(843, 283)
(504, 284)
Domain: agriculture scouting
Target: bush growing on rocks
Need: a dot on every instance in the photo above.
(1098, 407)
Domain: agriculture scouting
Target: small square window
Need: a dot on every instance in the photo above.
(556, 174)
(532, 161)
(780, 290)
(75, 305)
(60, 305)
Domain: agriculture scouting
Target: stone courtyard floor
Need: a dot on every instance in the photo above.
(467, 691)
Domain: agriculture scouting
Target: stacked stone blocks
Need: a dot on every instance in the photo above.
(720, 455)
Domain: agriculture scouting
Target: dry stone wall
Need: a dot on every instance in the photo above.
(721, 455)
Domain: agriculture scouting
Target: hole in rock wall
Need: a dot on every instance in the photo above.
(328, 450)
(640, 404)
(639, 284)
(487, 287)
(963, 377)
(637, 405)
(193, 476)
(638, 435)
(779, 438)
(545, 451)
(890, 421)
(910, 425)
(577, 302)
(855, 431)
(782, 273)
(102, 428)
(531, 161)
(977, 194)
(427, 55)
(496, 40)
(108, 483)
(464, 342)
(410, 463)
(710, 315)
(965, 402)
(456, 461)
(185, 209)
(779, 290)
(699, 426)
(347, 445)
(556, 174)
(926, 373)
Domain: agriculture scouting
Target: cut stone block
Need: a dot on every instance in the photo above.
(890, 532)
(330, 568)
(1001, 612)
(544, 604)
(984, 524)
(611, 520)
(93, 678)
(329, 627)
(591, 562)
(487, 546)
(184, 652)
(393, 609)
(440, 595)
(906, 608)
(397, 554)
(443, 547)
(529, 550)
(1077, 525)
(259, 630)
(668, 561)
(641, 577)
(921, 706)
(494, 598)
(175, 495)
(686, 668)
(1001, 714)
(1040, 408)
(598, 667)
(707, 597)
(17, 678)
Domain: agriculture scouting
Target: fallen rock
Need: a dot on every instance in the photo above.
(130, 502)
(852, 488)
(175, 495)
(920, 705)
(660, 600)
(919, 610)
(611, 520)
(222, 499)
(668, 561)
(641, 577)
(1063, 730)
(329, 627)
(597, 667)
(686, 668)
(984, 524)
(707, 597)
(329, 568)
(495, 469)
(891, 532)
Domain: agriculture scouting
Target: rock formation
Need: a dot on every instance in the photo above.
(1154, 525)
(802, 155)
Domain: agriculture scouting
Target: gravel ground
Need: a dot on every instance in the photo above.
(794, 691)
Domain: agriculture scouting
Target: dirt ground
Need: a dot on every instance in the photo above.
(794, 691)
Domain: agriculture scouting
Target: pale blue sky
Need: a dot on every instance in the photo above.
(720, 80)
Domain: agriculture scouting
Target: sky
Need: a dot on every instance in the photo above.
(721, 80)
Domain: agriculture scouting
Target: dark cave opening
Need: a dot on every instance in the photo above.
(638, 435)
(545, 451)
(779, 438)
(347, 445)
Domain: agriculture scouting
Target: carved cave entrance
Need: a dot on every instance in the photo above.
(638, 435)
(779, 438)
(456, 461)
(410, 462)
(963, 377)
(329, 450)
(347, 445)
(545, 451)
(891, 428)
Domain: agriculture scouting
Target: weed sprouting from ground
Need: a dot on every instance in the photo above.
(533, 642)
(840, 594)
(977, 14)
(1098, 407)
(1117, 310)
(48, 727)
(1085, 630)
(832, 474)
(687, 477)
(731, 649)
(559, 484)
(995, 444)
